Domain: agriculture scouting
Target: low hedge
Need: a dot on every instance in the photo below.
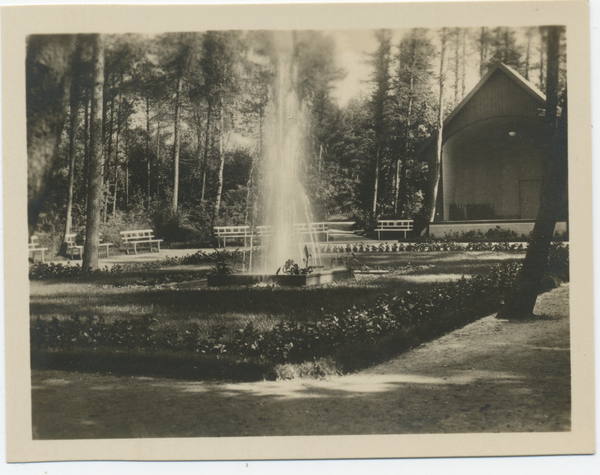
(410, 317)
(48, 271)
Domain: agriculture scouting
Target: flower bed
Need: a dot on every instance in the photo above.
(411, 316)
(425, 246)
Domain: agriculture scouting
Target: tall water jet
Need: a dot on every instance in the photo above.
(286, 207)
(285, 222)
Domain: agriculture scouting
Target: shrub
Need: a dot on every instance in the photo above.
(558, 261)
(175, 227)
(492, 234)
(49, 271)
(413, 315)
(46, 271)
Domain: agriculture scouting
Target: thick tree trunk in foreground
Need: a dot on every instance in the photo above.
(96, 165)
(48, 82)
(435, 172)
(554, 181)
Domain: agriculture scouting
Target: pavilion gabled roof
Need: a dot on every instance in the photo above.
(527, 86)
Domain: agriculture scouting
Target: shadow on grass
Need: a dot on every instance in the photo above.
(503, 399)
(301, 304)
(160, 364)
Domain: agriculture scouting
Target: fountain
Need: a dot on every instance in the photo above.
(291, 253)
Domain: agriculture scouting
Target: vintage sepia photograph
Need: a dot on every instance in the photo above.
(254, 233)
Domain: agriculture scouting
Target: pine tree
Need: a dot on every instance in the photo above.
(95, 168)
(380, 104)
(435, 172)
(412, 93)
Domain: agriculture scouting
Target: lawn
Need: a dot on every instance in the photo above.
(191, 303)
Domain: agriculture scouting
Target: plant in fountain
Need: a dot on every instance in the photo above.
(291, 268)
(224, 265)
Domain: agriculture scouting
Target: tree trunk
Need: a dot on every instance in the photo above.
(220, 176)
(148, 148)
(397, 184)
(554, 182)
(158, 177)
(435, 172)
(199, 154)
(206, 142)
(482, 51)
(176, 142)
(251, 197)
(401, 173)
(542, 65)
(456, 65)
(72, 130)
(90, 252)
(463, 73)
(86, 139)
(114, 207)
(108, 154)
(126, 160)
(527, 55)
(249, 185)
(376, 186)
(48, 83)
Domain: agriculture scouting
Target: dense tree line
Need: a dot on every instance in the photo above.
(167, 131)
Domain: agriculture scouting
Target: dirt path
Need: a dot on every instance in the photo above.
(490, 376)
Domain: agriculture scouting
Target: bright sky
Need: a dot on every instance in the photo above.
(354, 46)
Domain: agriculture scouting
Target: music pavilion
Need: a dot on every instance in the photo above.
(491, 172)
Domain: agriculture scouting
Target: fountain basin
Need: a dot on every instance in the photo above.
(316, 278)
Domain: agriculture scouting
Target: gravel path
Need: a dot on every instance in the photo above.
(490, 376)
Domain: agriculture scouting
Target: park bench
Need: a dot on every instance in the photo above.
(73, 248)
(312, 228)
(224, 232)
(261, 231)
(131, 240)
(105, 245)
(397, 225)
(298, 228)
(34, 246)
